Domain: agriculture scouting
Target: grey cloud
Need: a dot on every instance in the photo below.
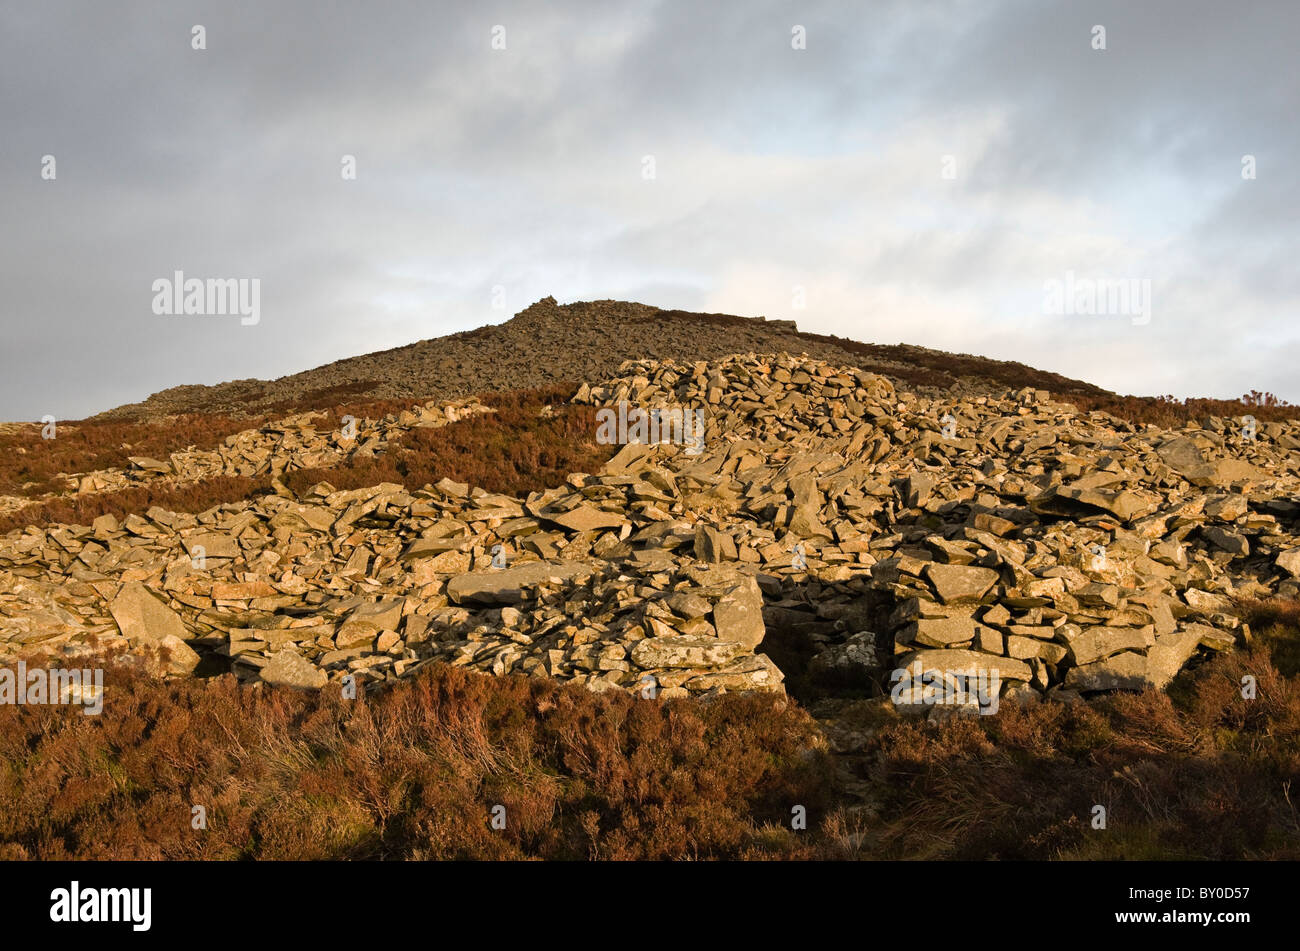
(522, 169)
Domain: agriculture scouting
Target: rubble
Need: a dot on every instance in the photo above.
(1014, 535)
(279, 447)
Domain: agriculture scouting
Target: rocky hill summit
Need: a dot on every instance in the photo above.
(548, 343)
(826, 526)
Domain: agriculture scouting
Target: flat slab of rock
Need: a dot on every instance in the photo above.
(587, 518)
(748, 672)
(684, 651)
(366, 621)
(1188, 461)
(738, 614)
(429, 547)
(1222, 473)
(1095, 643)
(509, 585)
(212, 545)
(1226, 540)
(960, 584)
(959, 662)
(241, 590)
(1212, 638)
(288, 668)
(142, 617)
(1180, 454)
(1124, 504)
(149, 464)
(938, 631)
(1124, 671)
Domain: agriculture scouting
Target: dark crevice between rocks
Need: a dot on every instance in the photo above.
(213, 662)
(799, 640)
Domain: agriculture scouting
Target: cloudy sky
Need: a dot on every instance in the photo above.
(920, 172)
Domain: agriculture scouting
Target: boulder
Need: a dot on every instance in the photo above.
(181, 658)
(683, 651)
(1289, 561)
(365, 621)
(960, 584)
(511, 585)
(738, 614)
(1170, 652)
(938, 632)
(288, 668)
(961, 662)
(1124, 671)
(142, 617)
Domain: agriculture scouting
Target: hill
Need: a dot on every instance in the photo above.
(941, 619)
(547, 343)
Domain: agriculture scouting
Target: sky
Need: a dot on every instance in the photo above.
(959, 175)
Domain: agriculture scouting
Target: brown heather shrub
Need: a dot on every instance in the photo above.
(1197, 774)
(409, 773)
(193, 497)
(1171, 412)
(413, 772)
(514, 450)
(30, 465)
(1276, 623)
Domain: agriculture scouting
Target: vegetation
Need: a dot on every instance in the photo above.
(515, 450)
(1171, 412)
(30, 465)
(187, 497)
(414, 772)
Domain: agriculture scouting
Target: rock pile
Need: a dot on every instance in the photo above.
(549, 343)
(1068, 552)
(1063, 551)
(375, 582)
(290, 443)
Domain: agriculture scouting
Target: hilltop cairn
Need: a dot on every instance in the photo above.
(1011, 543)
